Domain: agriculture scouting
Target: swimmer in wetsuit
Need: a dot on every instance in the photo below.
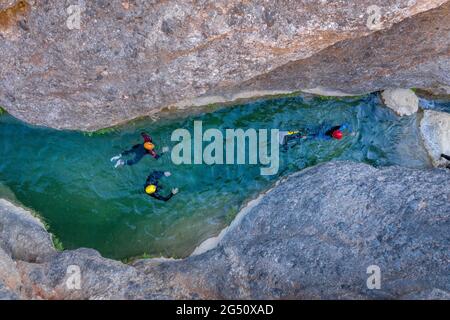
(152, 186)
(139, 151)
(336, 132)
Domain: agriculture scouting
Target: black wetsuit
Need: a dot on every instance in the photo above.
(446, 157)
(139, 151)
(153, 178)
(300, 135)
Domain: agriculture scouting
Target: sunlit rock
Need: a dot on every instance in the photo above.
(435, 130)
(318, 234)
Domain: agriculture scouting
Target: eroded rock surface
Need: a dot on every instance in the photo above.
(23, 236)
(133, 58)
(435, 131)
(313, 236)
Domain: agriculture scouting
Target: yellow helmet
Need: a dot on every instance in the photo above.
(292, 132)
(151, 188)
(149, 146)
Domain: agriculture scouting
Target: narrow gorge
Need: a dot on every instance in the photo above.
(80, 80)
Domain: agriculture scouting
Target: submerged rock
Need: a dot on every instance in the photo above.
(404, 102)
(435, 131)
(98, 63)
(314, 235)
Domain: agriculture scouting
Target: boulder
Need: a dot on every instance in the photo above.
(403, 102)
(435, 131)
(411, 54)
(93, 64)
(9, 275)
(78, 274)
(441, 92)
(318, 234)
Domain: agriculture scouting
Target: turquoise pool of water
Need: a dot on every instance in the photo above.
(67, 176)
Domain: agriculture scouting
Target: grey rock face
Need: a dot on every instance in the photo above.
(100, 278)
(313, 236)
(133, 58)
(10, 280)
(404, 102)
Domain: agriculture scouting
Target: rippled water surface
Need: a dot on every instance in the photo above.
(67, 176)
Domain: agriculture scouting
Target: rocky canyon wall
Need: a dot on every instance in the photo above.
(93, 64)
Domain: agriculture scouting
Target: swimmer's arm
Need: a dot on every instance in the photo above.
(146, 137)
(153, 154)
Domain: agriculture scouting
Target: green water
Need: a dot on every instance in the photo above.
(67, 176)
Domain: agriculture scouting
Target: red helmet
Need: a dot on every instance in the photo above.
(337, 134)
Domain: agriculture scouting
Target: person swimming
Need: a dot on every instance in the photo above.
(152, 186)
(139, 150)
(323, 133)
